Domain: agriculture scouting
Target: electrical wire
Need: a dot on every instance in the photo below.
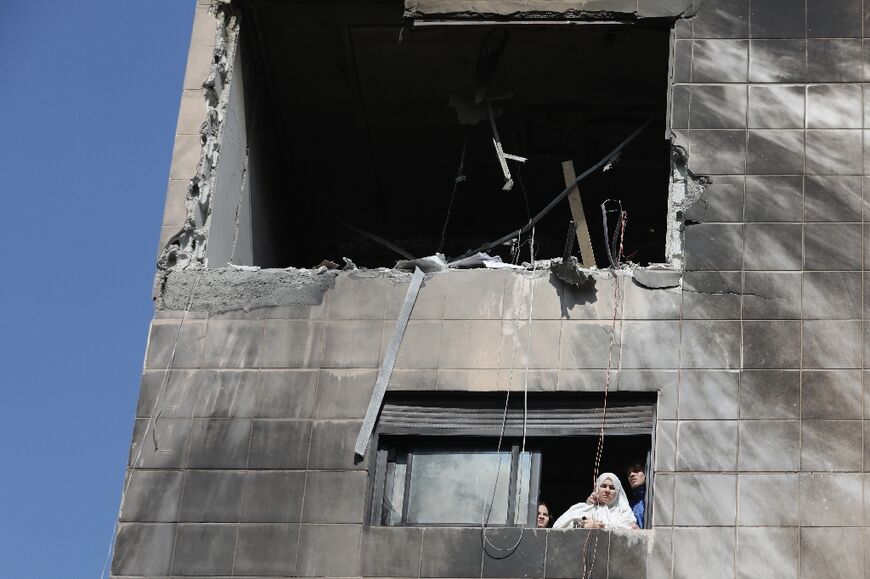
(152, 419)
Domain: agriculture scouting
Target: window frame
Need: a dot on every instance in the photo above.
(405, 437)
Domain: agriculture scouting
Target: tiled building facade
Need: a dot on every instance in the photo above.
(757, 355)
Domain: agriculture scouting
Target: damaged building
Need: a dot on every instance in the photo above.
(425, 264)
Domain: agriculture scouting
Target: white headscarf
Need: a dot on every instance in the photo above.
(616, 515)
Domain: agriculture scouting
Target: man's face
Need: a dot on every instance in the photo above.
(636, 478)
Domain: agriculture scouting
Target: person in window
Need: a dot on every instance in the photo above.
(637, 494)
(611, 511)
(544, 517)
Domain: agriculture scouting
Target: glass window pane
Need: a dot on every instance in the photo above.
(394, 492)
(453, 487)
(524, 477)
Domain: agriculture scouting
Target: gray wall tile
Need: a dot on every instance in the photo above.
(775, 152)
(832, 295)
(563, 547)
(273, 497)
(666, 445)
(826, 20)
(172, 436)
(779, 19)
(526, 560)
(710, 344)
(771, 295)
(334, 497)
(767, 500)
(291, 344)
(420, 346)
(767, 552)
(391, 552)
(705, 500)
(708, 394)
(704, 552)
(828, 500)
(356, 296)
(770, 394)
(204, 549)
(723, 20)
(628, 556)
(769, 445)
(718, 107)
(152, 496)
(176, 396)
(470, 344)
(834, 59)
(476, 294)
(830, 552)
(718, 152)
(831, 344)
(332, 445)
(353, 344)
(645, 304)
(833, 198)
(719, 60)
(774, 198)
(832, 394)
(707, 445)
(266, 549)
(286, 393)
(142, 549)
(831, 445)
(430, 299)
(328, 550)
(663, 500)
(771, 344)
(544, 337)
(711, 295)
(772, 246)
(279, 444)
(451, 552)
(232, 343)
(344, 393)
(226, 394)
(834, 106)
(834, 152)
(777, 60)
(776, 107)
(162, 344)
(212, 496)
(722, 200)
(584, 344)
(219, 443)
(833, 246)
(650, 344)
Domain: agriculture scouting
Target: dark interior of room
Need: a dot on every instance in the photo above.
(351, 128)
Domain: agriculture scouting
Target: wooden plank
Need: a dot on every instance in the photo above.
(587, 256)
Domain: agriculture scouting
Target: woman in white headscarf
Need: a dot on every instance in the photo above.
(609, 508)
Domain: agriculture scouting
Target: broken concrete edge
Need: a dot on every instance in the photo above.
(233, 289)
(686, 193)
(188, 246)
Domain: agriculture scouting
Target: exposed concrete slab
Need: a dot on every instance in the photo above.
(225, 290)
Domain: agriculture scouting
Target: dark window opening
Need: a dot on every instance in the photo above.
(438, 460)
(350, 124)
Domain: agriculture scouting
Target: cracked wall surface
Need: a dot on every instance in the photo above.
(758, 351)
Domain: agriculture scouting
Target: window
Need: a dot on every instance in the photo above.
(360, 122)
(438, 460)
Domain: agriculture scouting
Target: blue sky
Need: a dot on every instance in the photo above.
(88, 103)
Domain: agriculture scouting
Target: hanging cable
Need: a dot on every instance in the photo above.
(618, 305)
(460, 177)
(152, 418)
(507, 551)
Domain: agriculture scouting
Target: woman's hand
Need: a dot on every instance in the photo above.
(591, 524)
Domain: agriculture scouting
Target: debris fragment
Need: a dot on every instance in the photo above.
(348, 265)
(584, 240)
(429, 264)
(568, 270)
